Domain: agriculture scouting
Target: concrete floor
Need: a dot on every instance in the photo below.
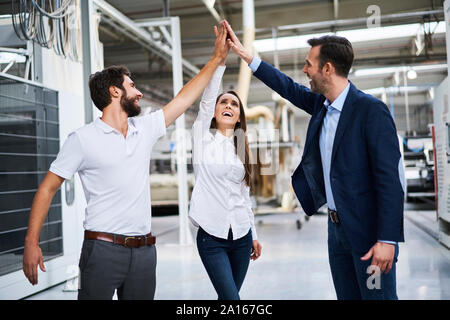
(294, 263)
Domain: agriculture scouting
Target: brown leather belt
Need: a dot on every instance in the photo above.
(333, 216)
(126, 241)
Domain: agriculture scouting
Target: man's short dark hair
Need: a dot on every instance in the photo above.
(100, 82)
(336, 50)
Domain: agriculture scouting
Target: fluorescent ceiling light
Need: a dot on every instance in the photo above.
(354, 36)
(396, 90)
(389, 70)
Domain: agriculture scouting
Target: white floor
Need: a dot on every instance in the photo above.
(294, 263)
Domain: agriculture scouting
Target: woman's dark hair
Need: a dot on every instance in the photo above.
(100, 82)
(336, 50)
(241, 124)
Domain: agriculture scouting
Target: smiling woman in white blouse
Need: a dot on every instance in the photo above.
(220, 204)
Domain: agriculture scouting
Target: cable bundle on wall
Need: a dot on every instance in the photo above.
(50, 23)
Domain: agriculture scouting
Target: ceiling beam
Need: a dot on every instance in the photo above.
(138, 34)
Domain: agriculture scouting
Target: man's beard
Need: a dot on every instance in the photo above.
(128, 105)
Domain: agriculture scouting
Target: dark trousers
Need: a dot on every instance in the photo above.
(105, 267)
(226, 261)
(349, 272)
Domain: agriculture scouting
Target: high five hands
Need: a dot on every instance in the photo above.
(236, 45)
(226, 39)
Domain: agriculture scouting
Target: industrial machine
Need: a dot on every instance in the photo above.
(418, 159)
(442, 156)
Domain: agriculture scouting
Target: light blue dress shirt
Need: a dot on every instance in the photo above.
(326, 139)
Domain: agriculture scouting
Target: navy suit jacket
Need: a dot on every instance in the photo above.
(364, 172)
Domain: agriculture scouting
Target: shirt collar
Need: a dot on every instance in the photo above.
(108, 129)
(132, 128)
(221, 138)
(338, 104)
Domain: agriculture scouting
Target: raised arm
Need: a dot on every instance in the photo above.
(298, 95)
(192, 90)
(208, 101)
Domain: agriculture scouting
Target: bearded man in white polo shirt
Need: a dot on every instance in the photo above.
(112, 157)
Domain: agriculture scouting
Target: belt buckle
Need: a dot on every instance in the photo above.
(125, 241)
(333, 216)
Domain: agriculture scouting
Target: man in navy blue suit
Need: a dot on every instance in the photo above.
(351, 162)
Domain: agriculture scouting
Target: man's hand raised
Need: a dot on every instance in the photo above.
(236, 45)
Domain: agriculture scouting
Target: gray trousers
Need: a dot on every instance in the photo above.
(105, 267)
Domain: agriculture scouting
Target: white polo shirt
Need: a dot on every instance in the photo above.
(114, 172)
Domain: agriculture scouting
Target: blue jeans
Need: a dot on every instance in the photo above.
(349, 272)
(226, 261)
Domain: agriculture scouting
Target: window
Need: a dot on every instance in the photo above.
(29, 142)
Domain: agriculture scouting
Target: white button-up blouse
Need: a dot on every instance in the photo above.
(220, 198)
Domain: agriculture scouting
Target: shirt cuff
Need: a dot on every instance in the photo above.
(390, 242)
(254, 234)
(254, 65)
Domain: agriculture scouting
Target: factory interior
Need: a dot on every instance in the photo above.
(401, 57)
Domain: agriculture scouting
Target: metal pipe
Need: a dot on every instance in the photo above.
(24, 52)
(245, 74)
(405, 84)
(336, 8)
(10, 64)
(152, 22)
(181, 143)
(353, 22)
(87, 52)
(275, 48)
(210, 6)
(248, 24)
(166, 8)
(329, 24)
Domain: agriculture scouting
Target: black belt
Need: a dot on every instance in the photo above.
(333, 216)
